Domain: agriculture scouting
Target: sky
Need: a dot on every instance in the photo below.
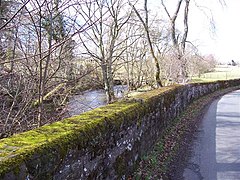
(223, 40)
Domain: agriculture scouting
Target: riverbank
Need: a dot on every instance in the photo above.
(62, 102)
(169, 154)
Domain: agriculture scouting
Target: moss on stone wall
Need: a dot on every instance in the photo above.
(81, 129)
(52, 142)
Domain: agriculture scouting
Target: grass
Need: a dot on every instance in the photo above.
(219, 73)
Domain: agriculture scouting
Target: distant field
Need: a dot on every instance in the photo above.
(221, 72)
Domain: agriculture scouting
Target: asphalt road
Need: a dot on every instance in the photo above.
(215, 154)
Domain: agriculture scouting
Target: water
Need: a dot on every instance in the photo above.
(91, 99)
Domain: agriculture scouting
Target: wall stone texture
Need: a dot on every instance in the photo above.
(105, 143)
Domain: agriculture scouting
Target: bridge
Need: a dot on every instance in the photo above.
(105, 143)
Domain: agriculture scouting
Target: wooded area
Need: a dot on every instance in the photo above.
(50, 49)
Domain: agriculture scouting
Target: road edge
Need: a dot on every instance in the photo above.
(169, 153)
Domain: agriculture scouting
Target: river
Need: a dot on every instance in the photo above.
(91, 99)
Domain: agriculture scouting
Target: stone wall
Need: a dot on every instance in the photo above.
(104, 143)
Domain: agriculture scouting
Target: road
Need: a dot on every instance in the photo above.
(215, 153)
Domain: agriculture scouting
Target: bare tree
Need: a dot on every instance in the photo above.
(179, 45)
(41, 48)
(134, 59)
(49, 48)
(145, 24)
(102, 41)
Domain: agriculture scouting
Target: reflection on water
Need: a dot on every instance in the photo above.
(91, 99)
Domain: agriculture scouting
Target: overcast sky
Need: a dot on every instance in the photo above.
(224, 41)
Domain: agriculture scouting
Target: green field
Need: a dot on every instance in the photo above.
(221, 72)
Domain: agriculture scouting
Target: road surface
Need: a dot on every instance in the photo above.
(215, 154)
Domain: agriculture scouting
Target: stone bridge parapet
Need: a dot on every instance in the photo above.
(105, 143)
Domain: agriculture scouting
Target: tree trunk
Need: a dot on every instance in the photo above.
(40, 85)
(183, 43)
(108, 82)
(146, 28)
(180, 48)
